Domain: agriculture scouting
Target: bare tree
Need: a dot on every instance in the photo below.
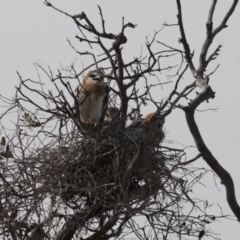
(62, 179)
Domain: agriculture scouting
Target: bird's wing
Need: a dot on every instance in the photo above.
(104, 104)
(136, 127)
(81, 96)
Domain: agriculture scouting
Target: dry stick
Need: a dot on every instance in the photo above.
(184, 39)
(121, 39)
(211, 34)
(225, 177)
(128, 174)
(77, 221)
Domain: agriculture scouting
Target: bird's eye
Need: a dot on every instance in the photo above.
(92, 75)
(159, 125)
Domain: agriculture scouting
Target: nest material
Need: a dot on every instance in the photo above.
(93, 169)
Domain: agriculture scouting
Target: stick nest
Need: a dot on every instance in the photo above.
(101, 167)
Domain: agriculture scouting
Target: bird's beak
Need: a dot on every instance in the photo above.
(98, 78)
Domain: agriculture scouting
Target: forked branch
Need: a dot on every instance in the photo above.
(206, 94)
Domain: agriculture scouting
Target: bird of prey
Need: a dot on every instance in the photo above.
(92, 98)
(111, 116)
(140, 127)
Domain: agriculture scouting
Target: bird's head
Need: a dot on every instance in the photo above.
(149, 120)
(112, 114)
(152, 117)
(95, 76)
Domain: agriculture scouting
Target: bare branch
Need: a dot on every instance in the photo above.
(212, 33)
(183, 39)
(213, 163)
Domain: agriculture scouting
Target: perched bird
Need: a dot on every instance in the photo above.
(92, 97)
(140, 127)
(112, 115)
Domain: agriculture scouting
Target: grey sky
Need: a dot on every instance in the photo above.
(33, 33)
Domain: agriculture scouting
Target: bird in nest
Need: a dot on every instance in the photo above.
(92, 98)
(140, 127)
(112, 115)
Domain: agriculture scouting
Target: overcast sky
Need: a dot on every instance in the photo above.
(33, 33)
